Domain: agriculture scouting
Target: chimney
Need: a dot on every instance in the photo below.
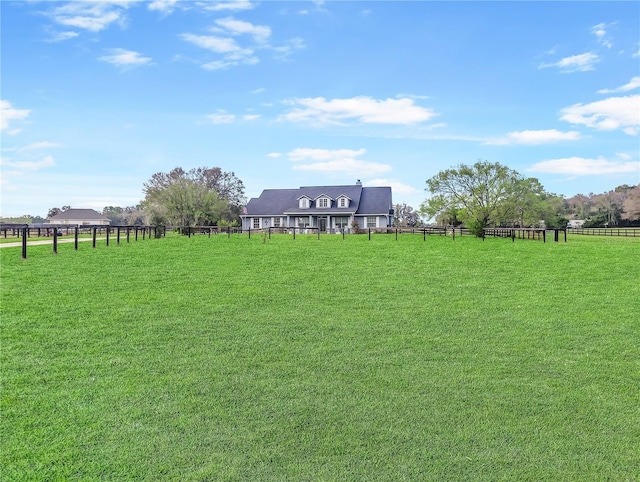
(358, 183)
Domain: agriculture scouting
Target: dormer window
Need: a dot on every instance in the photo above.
(343, 202)
(303, 203)
(322, 202)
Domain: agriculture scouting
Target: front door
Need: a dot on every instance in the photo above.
(322, 224)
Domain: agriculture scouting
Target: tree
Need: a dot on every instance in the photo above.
(54, 211)
(485, 194)
(198, 196)
(405, 216)
(631, 204)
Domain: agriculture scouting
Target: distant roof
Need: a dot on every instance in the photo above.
(71, 214)
(363, 200)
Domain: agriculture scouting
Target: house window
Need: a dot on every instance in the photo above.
(371, 221)
(302, 222)
(276, 222)
(341, 221)
(342, 202)
(323, 202)
(256, 223)
(303, 203)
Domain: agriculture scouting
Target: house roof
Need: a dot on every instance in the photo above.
(81, 214)
(363, 200)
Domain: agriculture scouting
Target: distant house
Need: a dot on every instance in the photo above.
(80, 217)
(575, 223)
(329, 208)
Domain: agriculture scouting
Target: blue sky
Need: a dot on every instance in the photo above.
(98, 96)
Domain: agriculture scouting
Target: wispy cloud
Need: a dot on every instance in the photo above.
(367, 110)
(260, 33)
(227, 5)
(580, 166)
(607, 114)
(397, 187)
(91, 16)
(238, 42)
(633, 84)
(9, 113)
(575, 63)
(125, 59)
(532, 137)
(163, 6)
(62, 36)
(600, 31)
(221, 117)
(30, 166)
(274, 155)
(342, 161)
(33, 147)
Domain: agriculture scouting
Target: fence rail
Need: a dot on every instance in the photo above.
(25, 232)
(631, 232)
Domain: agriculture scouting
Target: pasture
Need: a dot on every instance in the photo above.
(194, 359)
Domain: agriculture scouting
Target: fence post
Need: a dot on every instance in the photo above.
(396, 234)
(249, 232)
(108, 236)
(513, 235)
(24, 243)
(75, 238)
(294, 232)
(318, 233)
(95, 233)
(544, 235)
(228, 232)
(369, 234)
(55, 241)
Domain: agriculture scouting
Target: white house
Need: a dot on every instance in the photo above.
(80, 217)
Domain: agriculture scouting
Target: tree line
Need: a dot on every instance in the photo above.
(477, 196)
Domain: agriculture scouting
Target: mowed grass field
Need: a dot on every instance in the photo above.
(194, 359)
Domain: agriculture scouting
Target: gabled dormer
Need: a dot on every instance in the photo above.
(304, 202)
(323, 201)
(343, 201)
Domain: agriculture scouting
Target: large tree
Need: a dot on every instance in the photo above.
(200, 196)
(484, 194)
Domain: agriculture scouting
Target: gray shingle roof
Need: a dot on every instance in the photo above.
(86, 214)
(363, 200)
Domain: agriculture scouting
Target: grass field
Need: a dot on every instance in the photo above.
(201, 358)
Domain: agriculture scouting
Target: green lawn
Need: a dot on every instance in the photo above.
(194, 359)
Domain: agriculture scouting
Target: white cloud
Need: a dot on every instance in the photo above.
(39, 145)
(251, 117)
(363, 109)
(232, 5)
(607, 114)
(636, 54)
(221, 117)
(62, 36)
(534, 137)
(9, 113)
(274, 155)
(283, 52)
(397, 187)
(213, 43)
(335, 161)
(579, 166)
(634, 83)
(260, 33)
(601, 34)
(259, 90)
(92, 16)
(30, 165)
(575, 63)
(125, 58)
(163, 6)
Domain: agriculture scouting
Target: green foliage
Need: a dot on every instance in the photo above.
(485, 194)
(201, 196)
(228, 359)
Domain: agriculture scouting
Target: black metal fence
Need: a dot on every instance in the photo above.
(632, 232)
(120, 233)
